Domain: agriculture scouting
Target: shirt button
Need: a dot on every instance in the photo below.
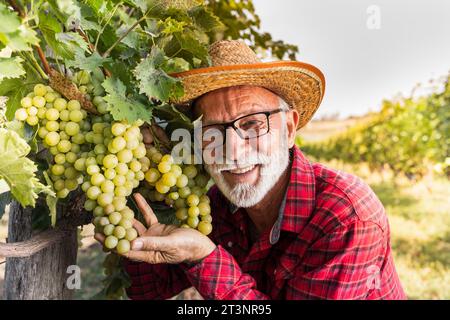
(230, 244)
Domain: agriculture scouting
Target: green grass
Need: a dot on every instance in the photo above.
(419, 216)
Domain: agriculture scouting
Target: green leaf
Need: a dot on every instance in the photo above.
(49, 27)
(5, 199)
(10, 21)
(21, 39)
(122, 107)
(153, 81)
(11, 68)
(15, 90)
(19, 171)
(8, 85)
(72, 39)
(51, 201)
(205, 19)
(87, 63)
(187, 46)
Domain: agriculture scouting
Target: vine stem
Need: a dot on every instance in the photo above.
(107, 52)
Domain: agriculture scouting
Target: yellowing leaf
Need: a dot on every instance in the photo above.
(17, 170)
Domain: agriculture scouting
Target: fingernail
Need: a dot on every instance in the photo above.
(137, 245)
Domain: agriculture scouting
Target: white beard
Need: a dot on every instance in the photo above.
(271, 168)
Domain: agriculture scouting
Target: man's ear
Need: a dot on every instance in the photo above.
(292, 120)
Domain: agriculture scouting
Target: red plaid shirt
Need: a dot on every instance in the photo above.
(331, 241)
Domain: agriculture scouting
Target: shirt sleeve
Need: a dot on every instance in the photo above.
(154, 281)
(219, 277)
(343, 264)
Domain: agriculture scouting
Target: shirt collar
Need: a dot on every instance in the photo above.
(298, 202)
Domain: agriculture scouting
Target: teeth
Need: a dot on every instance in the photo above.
(242, 170)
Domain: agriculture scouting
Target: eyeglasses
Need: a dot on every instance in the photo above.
(247, 127)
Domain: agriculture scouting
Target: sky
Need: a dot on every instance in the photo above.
(367, 50)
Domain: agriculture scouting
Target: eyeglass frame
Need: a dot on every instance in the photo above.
(232, 124)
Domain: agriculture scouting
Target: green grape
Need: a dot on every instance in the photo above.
(174, 196)
(72, 128)
(181, 214)
(156, 157)
(57, 169)
(207, 218)
(71, 157)
(73, 105)
(184, 192)
(140, 151)
(131, 234)
(26, 102)
(190, 171)
(204, 227)
(121, 169)
(32, 120)
(104, 199)
(193, 211)
(197, 190)
(164, 167)
(184, 225)
(192, 222)
(85, 186)
(176, 170)
(98, 211)
(79, 138)
(135, 166)
(204, 198)
(90, 204)
(71, 173)
(100, 149)
(180, 203)
(59, 185)
(108, 229)
(40, 90)
(119, 180)
(204, 208)
(115, 218)
(109, 173)
(93, 192)
(110, 161)
(71, 184)
(108, 209)
(92, 169)
(152, 175)
(127, 213)
(182, 181)
(118, 143)
(169, 179)
(119, 232)
(60, 104)
(123, 246)
(140, 175)
(61, 194)
(97, 179)
(32, 111)
(192, 200)
(201, 180)
(127, 224)
(39, 101)
(52, 114)
(161, 187)
(41, 113)
(21, 114)
(125, 156)
(52, 126)
(64, 146)
(119, 203)
(60, 158)
(50, 96)
(118, 129)
(111, 242)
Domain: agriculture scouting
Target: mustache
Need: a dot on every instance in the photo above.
(259, 159)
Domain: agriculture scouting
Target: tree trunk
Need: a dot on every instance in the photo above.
(43, 275)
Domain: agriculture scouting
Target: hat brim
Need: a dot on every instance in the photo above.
(300, 84)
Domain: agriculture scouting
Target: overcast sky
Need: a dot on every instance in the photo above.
(361, 65)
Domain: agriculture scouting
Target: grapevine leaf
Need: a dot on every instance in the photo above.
(8, 85)
(206, 19)
(153, 81)
(187, 46)
(21, 39)
(72, 39)
(51, 201)
(10, 20)
(11, 68)
(87, 63)
(17, 170)
(122, 107)
(5, 199)
(49, 27)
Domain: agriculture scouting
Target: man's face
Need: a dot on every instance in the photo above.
(251, 166)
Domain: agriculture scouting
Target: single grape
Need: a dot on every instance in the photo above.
(182, 181)
(181, 214)
(190, 171)
(204, 227)
(108, 229)
(193, 211)
(39, 101)
(131, 234)
(192, 200)
(118, 129)
(111, 242)
(123, 246)
(105, 199)
(164, 167)
(21, 114)
(97, 179)
(26, 102)
(119, 232)
(73, 105)
(40, 90)
(110, 161)
(192, 222)
(115, 218)
(204, 208)
(32, 120)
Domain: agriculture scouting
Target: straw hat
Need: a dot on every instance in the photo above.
(300, 84)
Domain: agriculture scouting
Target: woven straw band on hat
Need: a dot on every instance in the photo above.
(301, 85)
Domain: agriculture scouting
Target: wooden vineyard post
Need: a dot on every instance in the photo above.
(37, 265)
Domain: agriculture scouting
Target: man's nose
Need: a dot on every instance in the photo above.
(235, 146)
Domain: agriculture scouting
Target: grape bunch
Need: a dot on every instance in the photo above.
(180, 186)
(109, 160)
(60, 126)
(116, 170)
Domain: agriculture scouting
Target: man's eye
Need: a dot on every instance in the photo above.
(250, 124)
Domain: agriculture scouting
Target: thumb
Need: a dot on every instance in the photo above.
(151, 244)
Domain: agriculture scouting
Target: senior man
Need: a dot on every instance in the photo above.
(283, 227)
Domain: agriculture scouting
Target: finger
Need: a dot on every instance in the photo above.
(144, 256)
(151, 244)
(147, 135)
(146, 210)
(160, 134)
(99, 237)
(140, 228)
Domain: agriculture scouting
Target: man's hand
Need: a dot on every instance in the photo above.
(160, 243)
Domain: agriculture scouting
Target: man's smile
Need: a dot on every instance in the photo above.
(248, 174)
